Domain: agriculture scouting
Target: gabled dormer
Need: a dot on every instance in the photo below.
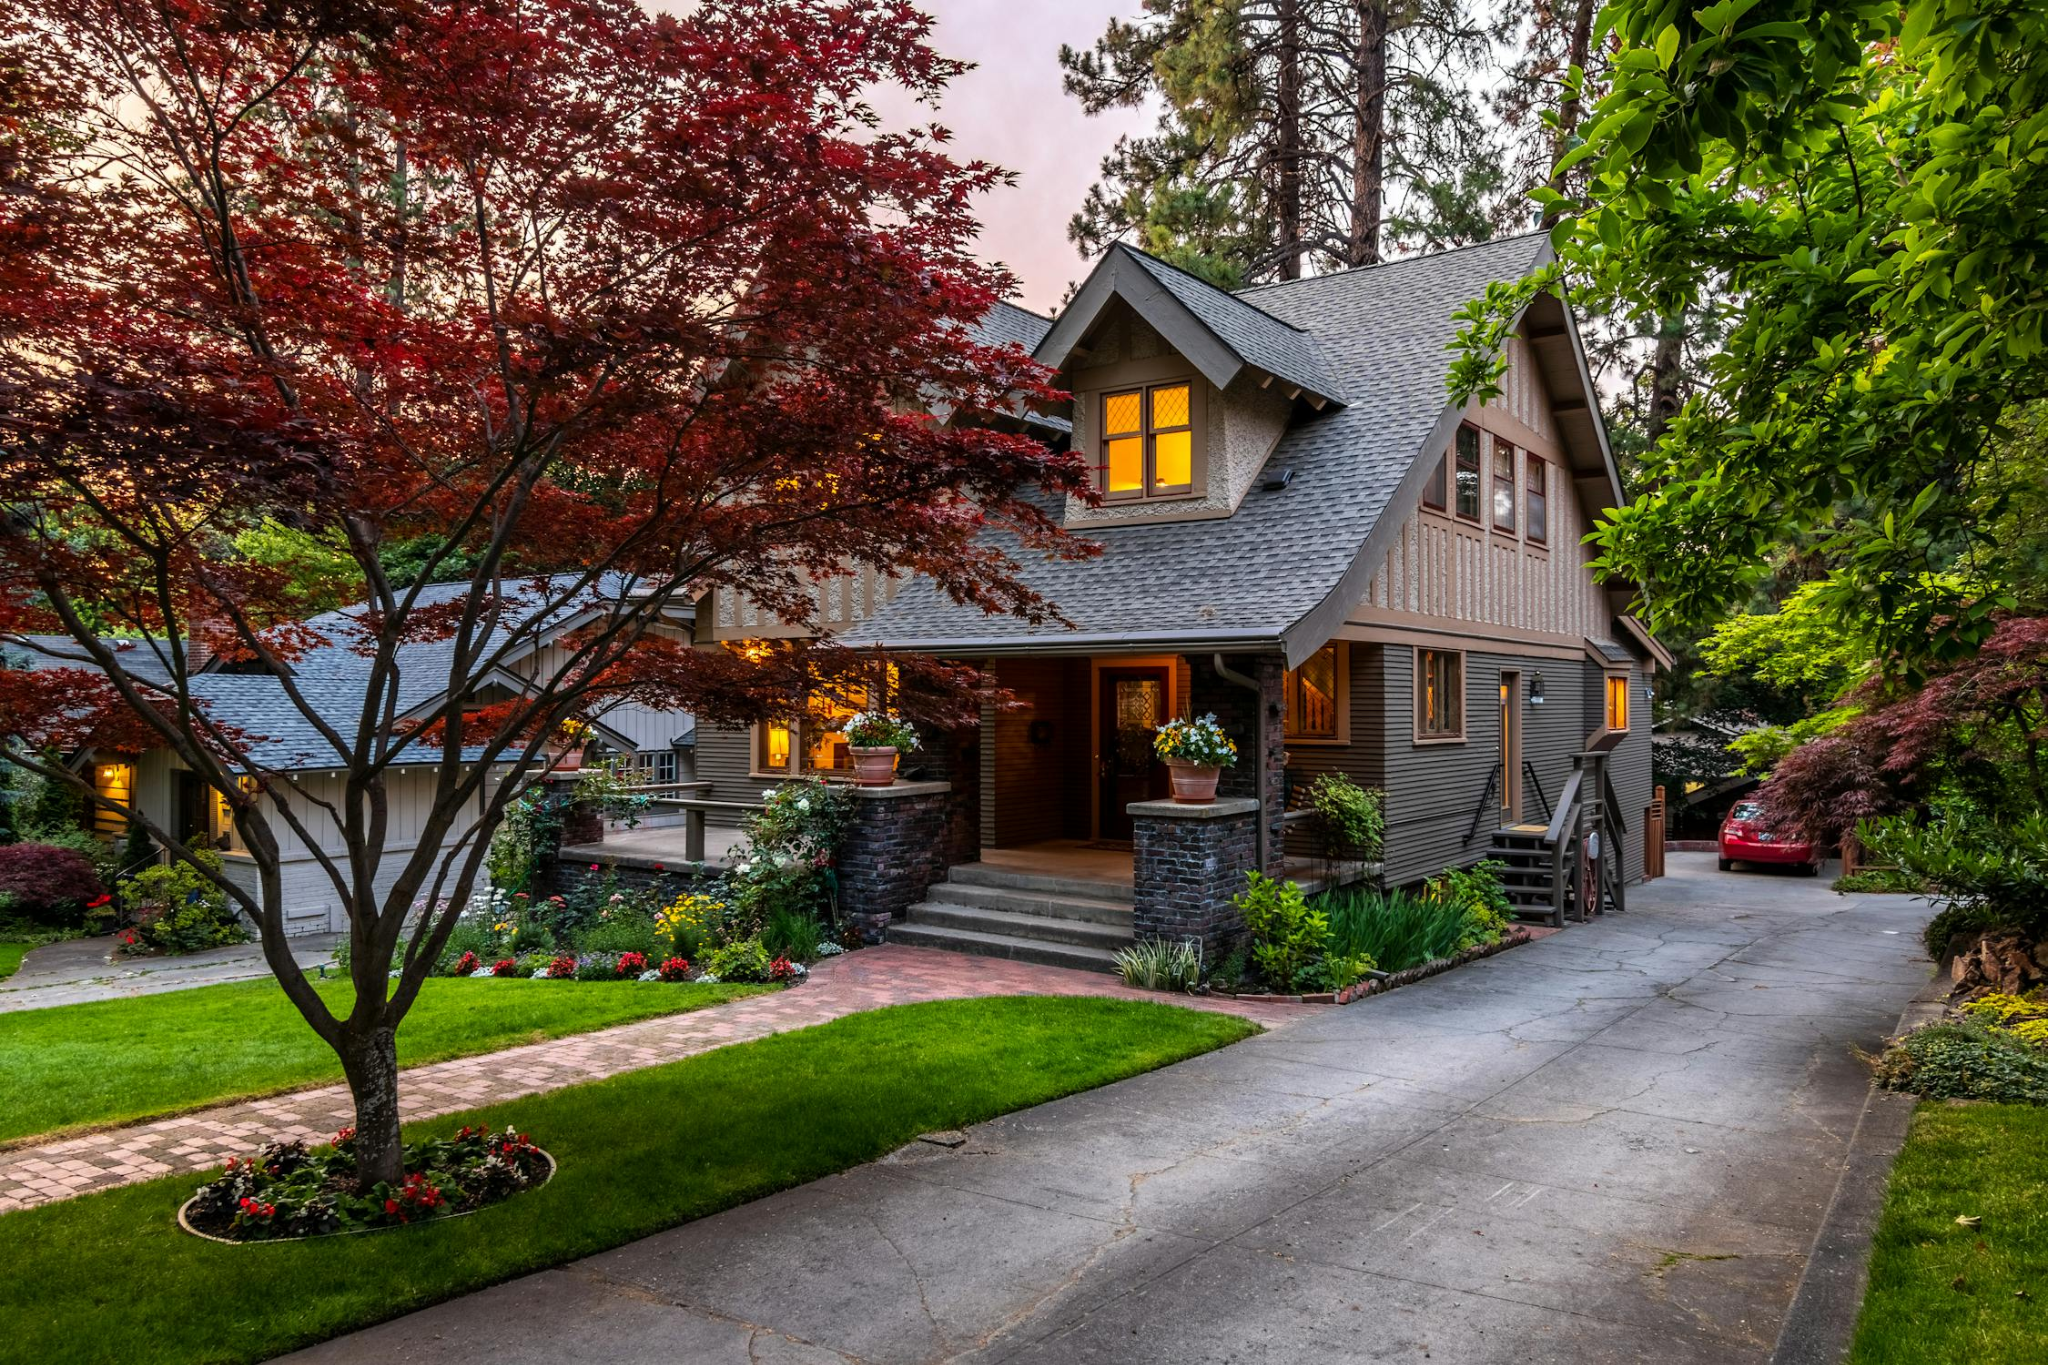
(1181, 391)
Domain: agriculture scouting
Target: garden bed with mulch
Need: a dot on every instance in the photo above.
(1515, 937)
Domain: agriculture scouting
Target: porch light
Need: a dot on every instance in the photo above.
(1535, 689)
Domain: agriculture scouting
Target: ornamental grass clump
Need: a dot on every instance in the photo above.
(1198, 742)
(1161, 964)
(288, 1191)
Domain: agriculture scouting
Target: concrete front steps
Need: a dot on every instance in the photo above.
(995, 912)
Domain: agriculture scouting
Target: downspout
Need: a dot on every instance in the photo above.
(1229, 674)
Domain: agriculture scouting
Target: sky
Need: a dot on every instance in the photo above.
(1010, 110)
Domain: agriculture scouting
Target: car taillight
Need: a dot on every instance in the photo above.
(1738, 830)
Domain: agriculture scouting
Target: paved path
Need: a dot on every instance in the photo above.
(865, 980)
(78, 970)
(1614, 1144)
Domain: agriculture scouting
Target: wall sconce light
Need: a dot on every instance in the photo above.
(1536, 689)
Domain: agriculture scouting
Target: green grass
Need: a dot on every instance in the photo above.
(1943, 1292)
(11, 955)
(74, 1066)
(108, 1277)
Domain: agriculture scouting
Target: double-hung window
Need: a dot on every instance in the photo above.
(1617, 701)
(1538, 482)
(1310, 693)
(1439, 694)
(1503, 486)
(1467, 473)
(1148, 442)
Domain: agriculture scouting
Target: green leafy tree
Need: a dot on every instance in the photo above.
(1859, 195)
(317, 568)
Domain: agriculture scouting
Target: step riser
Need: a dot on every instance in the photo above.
(1014, 949)
(981, 874)
(1096, 911)
(1036, 928)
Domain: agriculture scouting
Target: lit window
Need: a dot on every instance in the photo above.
(1617, 702)
(1311, 696)
(1468, 473)
(1503, 485)
(1148, 442)
(1440, 694)
(1539, 500)
(775, 749)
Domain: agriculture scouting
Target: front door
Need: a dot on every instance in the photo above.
(1510, 748)
(1135, 702)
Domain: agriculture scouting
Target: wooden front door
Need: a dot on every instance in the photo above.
(1134, 702)
(1510, 748)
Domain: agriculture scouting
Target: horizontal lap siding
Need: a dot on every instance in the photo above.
(725, 759)
(1363, 760)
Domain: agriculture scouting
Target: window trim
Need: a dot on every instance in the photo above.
(1435, 487)
(1607, 702)
(1503, 446)
(1457, 463)
(1535, 469)
(1145, 385)
(1342, 674)
(1422, 735)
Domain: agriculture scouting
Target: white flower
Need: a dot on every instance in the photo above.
(829, 950)
(481, 971)
(803, 803)
(539, 973)
(707, 979)
(650, 975)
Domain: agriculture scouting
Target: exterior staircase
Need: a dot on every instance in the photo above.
(1028, 916)
(1528, 876)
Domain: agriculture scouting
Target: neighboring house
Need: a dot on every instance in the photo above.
(333, 678)
(1290, 501)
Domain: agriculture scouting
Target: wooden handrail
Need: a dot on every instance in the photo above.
(1567, 802)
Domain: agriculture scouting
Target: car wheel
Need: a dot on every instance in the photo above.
(1727, 864)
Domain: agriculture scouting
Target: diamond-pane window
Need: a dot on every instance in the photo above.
(1148, 442)
(1170, 407)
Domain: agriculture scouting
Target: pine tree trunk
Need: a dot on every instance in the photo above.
(1571, 108)
(1368, 150)
(1287, 131)
(369, 1059)
(1666, 373)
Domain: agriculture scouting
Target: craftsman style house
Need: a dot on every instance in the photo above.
(1302, 535)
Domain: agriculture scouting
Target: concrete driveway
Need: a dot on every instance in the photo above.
(1614, 1144)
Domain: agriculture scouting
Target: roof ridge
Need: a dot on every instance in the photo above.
(1382, 265)
(1219, 289)
(1020, 308)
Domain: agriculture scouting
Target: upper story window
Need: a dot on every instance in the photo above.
(1439, 694)
(1310, 693)
(1537, 480)
(1617, 701)
(1148, 442)
(1503, 486)
(1433, 489)
(1468, 473)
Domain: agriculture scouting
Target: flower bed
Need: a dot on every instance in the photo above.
(287, 1192)
(1514, 938)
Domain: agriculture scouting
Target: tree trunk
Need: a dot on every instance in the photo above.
(1287, 132)
(1369, 135)
(1666, 374)
(369, 1059)
(1570, 109)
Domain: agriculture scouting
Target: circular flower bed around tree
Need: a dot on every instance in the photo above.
(287, 1191)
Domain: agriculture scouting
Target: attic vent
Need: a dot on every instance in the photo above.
(1274, 482)
(1205, 613)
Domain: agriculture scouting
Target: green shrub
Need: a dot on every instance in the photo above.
(626, 931)
(177, 908)
(746, 960)
(1287, 933)
(468, 937)
(1396, 930)
(1477, 893)
(1965, 1061)
(1161, 964)
(1349, 820)
(788, 863)
(793, 935)
(1881, 881)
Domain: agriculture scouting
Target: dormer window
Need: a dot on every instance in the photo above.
(1148, 442)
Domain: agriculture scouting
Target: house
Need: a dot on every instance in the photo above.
(283, 741)
(1304, 536)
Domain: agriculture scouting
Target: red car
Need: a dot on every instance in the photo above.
(1745, 840)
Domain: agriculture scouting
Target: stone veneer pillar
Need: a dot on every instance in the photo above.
(1189, 862)
(896, 847)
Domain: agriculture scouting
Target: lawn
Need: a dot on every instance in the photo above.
(108, 1277)
(1940, 1291)
(77, 1065)
(11, 955)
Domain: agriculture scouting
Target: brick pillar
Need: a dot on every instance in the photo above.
(1237, 709)
(895, 848)
(582, 822)
(1188, 864)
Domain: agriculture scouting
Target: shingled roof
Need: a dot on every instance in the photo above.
(1284, 569)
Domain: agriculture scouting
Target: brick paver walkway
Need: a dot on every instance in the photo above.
(870, 979)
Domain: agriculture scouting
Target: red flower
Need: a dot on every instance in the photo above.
(632, 964)
(504, 966)
(391, 1206)
(345, 1136)
(659, 868)
(466, 964)
(675, 969)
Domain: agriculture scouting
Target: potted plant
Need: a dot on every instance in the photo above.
(875, 738)
(1196, 753)
(565, 747)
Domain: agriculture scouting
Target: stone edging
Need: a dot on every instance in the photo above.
(1821, 1320)
(185, 1224)
(1514, 938)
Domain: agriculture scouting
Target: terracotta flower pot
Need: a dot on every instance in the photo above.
(1193, 786)
(568, 760)
(874, 767)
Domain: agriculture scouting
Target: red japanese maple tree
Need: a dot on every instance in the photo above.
(619, 306)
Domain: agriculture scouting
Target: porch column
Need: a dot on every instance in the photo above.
(896, 847)
(1241, 712)
(1187, 864)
